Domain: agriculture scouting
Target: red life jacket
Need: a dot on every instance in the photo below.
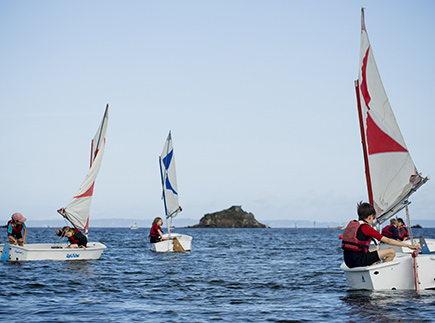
(387, 233)
(350, 241)
(153, 232)
(16, 228)
(404, 234)
(72, 239)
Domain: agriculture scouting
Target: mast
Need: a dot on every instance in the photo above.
(163, 178)
(364, 146)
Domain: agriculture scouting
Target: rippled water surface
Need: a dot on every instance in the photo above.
(243, 275)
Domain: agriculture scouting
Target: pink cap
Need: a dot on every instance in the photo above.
(18, 217)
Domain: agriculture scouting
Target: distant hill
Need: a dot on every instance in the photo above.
(320, 225)
(234, 217)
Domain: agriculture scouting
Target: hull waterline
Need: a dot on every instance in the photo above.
(45, 251)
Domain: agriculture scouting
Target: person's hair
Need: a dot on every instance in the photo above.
(393, 222)
(400, 220)
(157, 220)
(65, 229)
(365, 210)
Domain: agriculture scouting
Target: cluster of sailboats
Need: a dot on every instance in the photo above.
(391, 177)
(78, 209)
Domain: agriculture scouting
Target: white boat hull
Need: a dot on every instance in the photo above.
(44, 251)
(168, 245)
(430, 244)
(396, 274)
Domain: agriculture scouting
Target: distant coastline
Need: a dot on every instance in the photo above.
(185, 222)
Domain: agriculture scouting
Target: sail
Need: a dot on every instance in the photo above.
(77, 211)
(169, 179)
(100, 137)
(390, 172)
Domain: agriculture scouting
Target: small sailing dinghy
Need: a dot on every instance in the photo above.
(76, 212)
(133, 226)
(340, 227)
(391, 178)
(173, 241)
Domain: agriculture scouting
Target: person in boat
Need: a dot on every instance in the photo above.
(357, 237)
(390, 231)
(403, 230)
(17, 229)
(156, 234)
(74, 236)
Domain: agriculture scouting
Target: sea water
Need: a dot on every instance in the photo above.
(231, 275)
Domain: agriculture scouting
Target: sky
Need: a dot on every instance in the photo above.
(259, 97)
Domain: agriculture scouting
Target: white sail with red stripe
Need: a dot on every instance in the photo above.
(77, 211)
(390, 172)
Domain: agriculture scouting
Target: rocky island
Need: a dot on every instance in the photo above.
(234, 217)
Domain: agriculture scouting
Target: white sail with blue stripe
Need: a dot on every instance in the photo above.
(169, 179)
(171, 241)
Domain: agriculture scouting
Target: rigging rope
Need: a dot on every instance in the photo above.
(415, 252)
(408, 222)
(58, 243)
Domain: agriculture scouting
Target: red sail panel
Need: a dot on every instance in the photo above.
(89, 192)
(378, 141)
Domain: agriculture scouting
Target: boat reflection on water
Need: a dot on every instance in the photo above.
(384, 306)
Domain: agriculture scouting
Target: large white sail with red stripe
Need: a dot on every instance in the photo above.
(77, 211)
(390, 172)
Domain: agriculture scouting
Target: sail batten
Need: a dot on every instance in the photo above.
(390, 171)
(77, 210)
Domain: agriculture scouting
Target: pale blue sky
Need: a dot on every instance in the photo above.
(258, 94)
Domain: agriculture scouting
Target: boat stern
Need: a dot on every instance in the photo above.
(396, 274)
(184, 241)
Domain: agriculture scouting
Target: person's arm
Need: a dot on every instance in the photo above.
(10, 236)
(161, 234)
(398, 243)
(24, 235)
(12, 239)
(370, 232)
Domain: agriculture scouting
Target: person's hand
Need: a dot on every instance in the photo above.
(57, 230)
(410, 246)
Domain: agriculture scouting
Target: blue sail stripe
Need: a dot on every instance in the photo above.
(169, 186)
(167, 160)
